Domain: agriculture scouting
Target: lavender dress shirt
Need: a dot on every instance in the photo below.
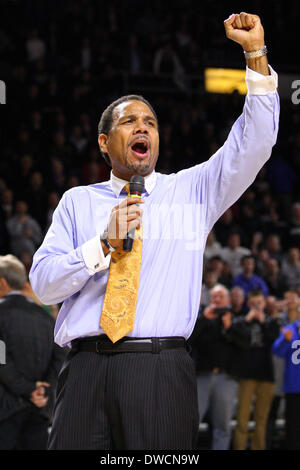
(179, 211)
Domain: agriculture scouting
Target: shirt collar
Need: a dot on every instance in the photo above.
(14, 292)
(117, 184)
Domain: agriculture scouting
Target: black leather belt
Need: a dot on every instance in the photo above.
(103, 345)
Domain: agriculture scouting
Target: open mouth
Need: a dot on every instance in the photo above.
(140, 148)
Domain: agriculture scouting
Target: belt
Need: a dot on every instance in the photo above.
(103, 345)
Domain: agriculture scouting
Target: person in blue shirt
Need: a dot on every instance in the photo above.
(247, 280)
(287, 346)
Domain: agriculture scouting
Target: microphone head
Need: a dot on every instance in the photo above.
(137, 184)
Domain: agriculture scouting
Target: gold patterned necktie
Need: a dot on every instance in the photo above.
(118, 311)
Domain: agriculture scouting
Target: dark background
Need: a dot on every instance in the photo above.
(49, 125)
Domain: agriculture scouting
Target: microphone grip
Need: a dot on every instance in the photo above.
(128, 241)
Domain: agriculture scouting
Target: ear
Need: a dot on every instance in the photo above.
(102, 141)
(4, 287)
(3, 282)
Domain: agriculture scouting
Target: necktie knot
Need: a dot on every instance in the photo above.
(126, 188)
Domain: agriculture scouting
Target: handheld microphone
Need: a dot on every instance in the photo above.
(136, 188)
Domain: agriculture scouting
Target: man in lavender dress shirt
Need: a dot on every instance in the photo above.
(145, 399)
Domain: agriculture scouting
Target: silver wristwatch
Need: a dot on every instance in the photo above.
(254, 54)
(103, 237)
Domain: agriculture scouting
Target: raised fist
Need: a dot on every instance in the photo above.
(245, 29)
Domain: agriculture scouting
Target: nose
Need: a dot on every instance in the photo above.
(140, 127)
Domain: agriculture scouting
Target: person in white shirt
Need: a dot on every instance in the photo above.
(212, 247)
(234, 252)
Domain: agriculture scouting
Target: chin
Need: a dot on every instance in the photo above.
(141, 168)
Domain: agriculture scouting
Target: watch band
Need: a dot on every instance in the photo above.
(103, 237)
(254, 54)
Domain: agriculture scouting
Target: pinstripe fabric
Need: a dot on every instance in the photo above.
(126, 401)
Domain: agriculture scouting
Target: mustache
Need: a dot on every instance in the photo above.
(140, 138)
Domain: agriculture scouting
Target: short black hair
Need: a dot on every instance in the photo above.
(106, 119)
(216, 258)
(255, 293)
(247, 257)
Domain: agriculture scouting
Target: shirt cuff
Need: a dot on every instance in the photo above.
(259, 84)
(93, 255)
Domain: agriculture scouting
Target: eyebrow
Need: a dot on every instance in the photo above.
(133, 116)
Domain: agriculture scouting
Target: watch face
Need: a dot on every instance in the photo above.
(103, 237)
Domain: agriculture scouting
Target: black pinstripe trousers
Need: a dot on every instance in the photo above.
(126, 401)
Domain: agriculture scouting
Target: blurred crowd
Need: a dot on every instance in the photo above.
(64, 63)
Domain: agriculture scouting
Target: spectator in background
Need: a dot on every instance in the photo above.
(287, 346)
(226, 277)
(34, 101)
(210, 279)
(78, 143)
(92, 174)
(52, 310)
(25, 233)
(282, 178)
(24, 172)
(60, 150)
(133, 57)
(273, 246)
(254, 368)
(183, 36)
(274, 278)
(26, 259)
(213, 355)
(291, 268)
(272, 307)
(102, 170)
(57, 176)
(247, 280)
(216, 264)
(234, 252)
(212, 247)
(7, 203)
(4, 236)
(36, 197)
(289, 306)
(32, 363)
(273, 310)
(53, 200)
(249, 220)
(222, 270)
(224, 226)
(293, 231)
(186, 143)
(261, 258)
(35, 46)
(268, 214)
(166, 61)
(86, 54)
(237, 301)
(72, 182)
